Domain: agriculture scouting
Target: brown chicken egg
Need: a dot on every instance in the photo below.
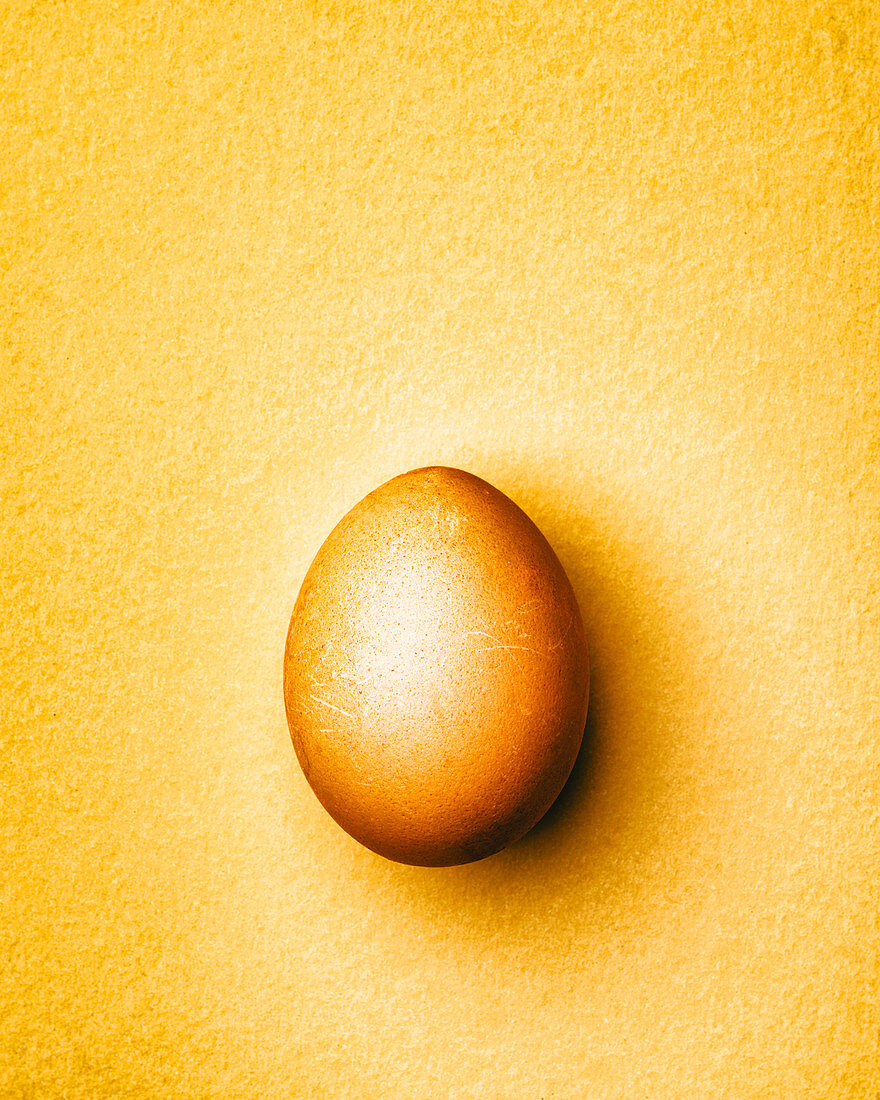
(436, 672)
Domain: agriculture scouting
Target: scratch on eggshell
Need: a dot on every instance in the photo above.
(339, 710)
(500, 645)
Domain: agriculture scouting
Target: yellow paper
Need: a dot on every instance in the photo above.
(622, 262)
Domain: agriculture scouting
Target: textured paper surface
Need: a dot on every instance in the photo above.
(622, 262)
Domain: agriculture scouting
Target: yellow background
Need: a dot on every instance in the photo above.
(619, 260)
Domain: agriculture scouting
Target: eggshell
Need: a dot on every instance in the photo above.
(436, 672)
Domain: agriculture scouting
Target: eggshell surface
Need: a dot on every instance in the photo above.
(436, 672)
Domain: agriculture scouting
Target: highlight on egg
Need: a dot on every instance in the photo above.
(436, 672)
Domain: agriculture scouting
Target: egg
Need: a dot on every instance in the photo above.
(436, 672)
